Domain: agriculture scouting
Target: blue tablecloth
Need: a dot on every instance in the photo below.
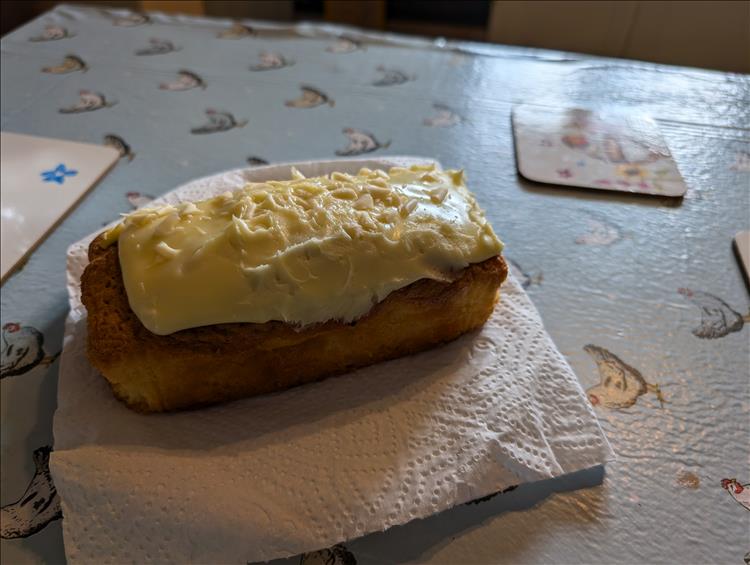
(182, 98)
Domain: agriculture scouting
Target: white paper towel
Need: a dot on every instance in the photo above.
(285, 473)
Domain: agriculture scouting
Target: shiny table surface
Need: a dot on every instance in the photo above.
(604, 269)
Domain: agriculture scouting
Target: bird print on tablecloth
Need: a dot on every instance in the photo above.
(70, 64)
(138, 200)
(118, 143)
(345, 44)
(157, 47)
(52, 32)
(255, 161)
(38, 506)
(740, 493)
(186, 80)
(22, 350)
(88, 101)
(600, 232)
(360, 142)
(717, 317)
(236, 31)
(334, 555)
(527, 279)
(131, 19)
(444, 118)
(391, 77)
(620, 384)
(218, 120)
(270, 61)
(741, 162)
(311, 97)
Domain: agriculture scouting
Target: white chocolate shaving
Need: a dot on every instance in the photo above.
(302, 251)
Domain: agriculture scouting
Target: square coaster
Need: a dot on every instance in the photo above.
(606, 151)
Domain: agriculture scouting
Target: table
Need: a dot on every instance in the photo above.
(182, 98)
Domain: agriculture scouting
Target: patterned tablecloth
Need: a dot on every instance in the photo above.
(635, 290)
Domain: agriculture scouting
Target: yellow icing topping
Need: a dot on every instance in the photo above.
(302, 251)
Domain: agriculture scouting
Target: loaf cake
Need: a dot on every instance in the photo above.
(286, 282)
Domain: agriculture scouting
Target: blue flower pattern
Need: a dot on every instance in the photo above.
(58, 174)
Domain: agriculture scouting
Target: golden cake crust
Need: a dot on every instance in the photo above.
(205, 365)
